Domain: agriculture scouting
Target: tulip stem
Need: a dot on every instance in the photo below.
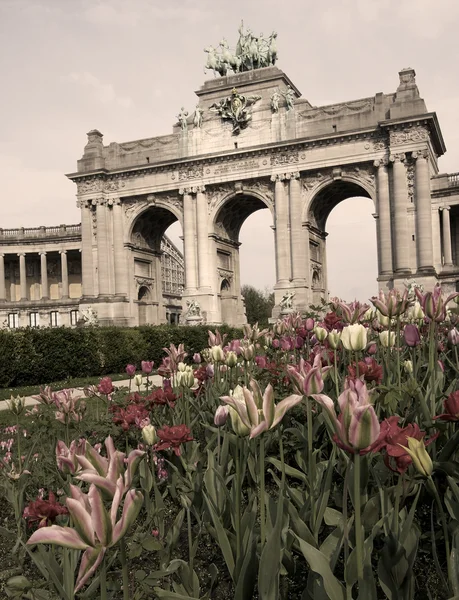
(237, 520)
(124, 569)
(434, 490)
(346, 531)
(262, 491)
(103, 580)
(311, 474)
(335, 364)
(358, 519)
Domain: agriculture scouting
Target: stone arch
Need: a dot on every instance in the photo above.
(230, 213)
(144, 293)
(330, 192)
(136, 210)
(148, 227)
(225, 285)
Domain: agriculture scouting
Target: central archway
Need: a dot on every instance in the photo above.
(227, 222)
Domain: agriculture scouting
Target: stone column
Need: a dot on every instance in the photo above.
(202, 238)
(102, 248)
(2, 278)
(87, 271)
(119, 253)
(64, 274)
(384, 227)
(423, 212)
(401, 242)
(189, 240)
(282, 233)
(297, 245)
(22, 276)
(44, 276)
(447, 248)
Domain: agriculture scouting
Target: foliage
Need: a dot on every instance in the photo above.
(258, 304)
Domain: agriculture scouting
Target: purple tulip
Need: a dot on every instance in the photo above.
(221, 415)
(130, 370)
(411, 335)
(147, 366)
(197, 358)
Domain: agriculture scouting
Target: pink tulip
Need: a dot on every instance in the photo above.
(147, 366)
(357, 427)
(197, 358)
(350, 313)
(411, 335)
(66, 457)
(453, 336)
(221, 416)
(307, 378)
(175, 356)
(130, 370)
(391, 304)
(105, 386)
(432, 303)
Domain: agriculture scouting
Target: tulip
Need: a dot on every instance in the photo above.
(391, 305)
(257, 411)
(411, 336)
(357, 428)
(216, 339)
(66, 456)
(387, 341)
(350, 313)
(309, 324)
(217, 354)
(173, 437)
(175, 355)
(451, 406)
(308, 379)
(149, 435)
(354, 337)
(105, 386)
(231, 359)
(197, 358)
(453, 337)
(419, 455)
(417, 314)
(334, 338)
(320, 333)
(248, 351)
(130, 370)
(95, 528)
(147, 366)
(372, 348)
(432, 303)
(221, 415)
(138, 380)
(408, 366)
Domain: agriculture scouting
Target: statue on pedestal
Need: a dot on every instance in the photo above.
(193, 313)
(182, 119)
(275, 99)
(289, 96)
(197, 120)
(286, 303)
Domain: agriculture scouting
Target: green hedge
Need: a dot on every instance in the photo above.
(40, 356)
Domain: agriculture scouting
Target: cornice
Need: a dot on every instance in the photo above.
(429, 119)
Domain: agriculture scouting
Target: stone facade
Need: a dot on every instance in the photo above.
(255, 143)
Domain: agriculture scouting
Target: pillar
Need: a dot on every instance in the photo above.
(447, 249)
(282, 233)
(400, 196)
(423, 212)
(87, 270)
(384, 226)
(22, 276)
(102, 248)
(119, 253)
(189, 241)
(202, 238)
(297, 243)
(2, 278)
(64, 274)
(44, 276)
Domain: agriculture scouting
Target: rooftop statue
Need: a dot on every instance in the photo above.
(251, 52)
(237, 109)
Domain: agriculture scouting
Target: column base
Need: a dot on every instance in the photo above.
(404, 271)
(429, 270)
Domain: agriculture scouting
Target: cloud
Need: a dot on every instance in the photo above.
(103, 92)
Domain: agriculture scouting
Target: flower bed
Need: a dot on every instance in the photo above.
(317, 459)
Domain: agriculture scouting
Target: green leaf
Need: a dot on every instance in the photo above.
(271, 558)
(290, 471)
(222, 536)
(319, 563)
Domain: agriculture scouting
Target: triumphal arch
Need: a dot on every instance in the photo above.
(254, 142)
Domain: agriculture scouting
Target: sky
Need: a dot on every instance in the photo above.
(126, 68)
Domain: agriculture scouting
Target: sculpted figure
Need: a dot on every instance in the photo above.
(286, 302)
(289, 96)
(272, 49)
(198, 116)
(212, 59)
(193, 308)
(182, 119)
(275, 99)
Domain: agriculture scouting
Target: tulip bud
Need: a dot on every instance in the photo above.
(417, 313)
(231, 359)
(197, 358)
(411, 335)
(369, 315)
(147, 366)
(421, 459)
(181, 367)
(221, 415)
(354, 337)
(248, 352)
(386, 340)
(320, 333)
(138, 380)
(408, 366)
(130, 370)
(309, 324)
(334, 338)
(149, 435)
(217, 354)
(383, 320)
(372, 348)
(187, 378)
(16, 405)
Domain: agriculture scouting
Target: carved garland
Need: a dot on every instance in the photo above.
(417, 133)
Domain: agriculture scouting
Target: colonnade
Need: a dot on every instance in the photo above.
(43, 275)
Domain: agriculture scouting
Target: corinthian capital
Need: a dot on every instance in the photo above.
(278, 177)
(200, 189)
(422, 153)
(397, 157)
(292, 175)
(381, 162)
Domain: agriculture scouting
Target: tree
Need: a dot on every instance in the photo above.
(258, 304)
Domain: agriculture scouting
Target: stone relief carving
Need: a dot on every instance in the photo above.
(237, 109)
(142, 282)
(410, 179)
(363, 172)
(338, 109)
(193, 172)
(286, 302)
(379, 143)
(225, 274)
(193, 308)
(284, 158)
(98, 185)
(262, 188)
(275, 99)
(311, 181)
(417, 133)
(216, 194)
